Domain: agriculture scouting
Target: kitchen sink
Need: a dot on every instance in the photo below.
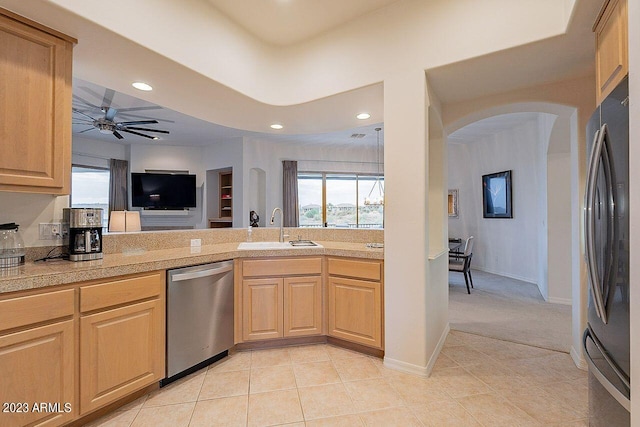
(277, 245)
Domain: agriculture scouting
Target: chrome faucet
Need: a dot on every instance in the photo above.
(273, 217)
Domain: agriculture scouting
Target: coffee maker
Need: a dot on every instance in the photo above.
(85, 233)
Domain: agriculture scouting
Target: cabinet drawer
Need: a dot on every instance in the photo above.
(133, 288)
(281, 267)
(370, 270)
(22, 311)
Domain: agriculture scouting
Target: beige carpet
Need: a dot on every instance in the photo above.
(508, 309)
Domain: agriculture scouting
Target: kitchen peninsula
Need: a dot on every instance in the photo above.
(70, 321)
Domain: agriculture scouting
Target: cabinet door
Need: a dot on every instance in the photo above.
(302, 306)
(121, 351)
(262, 308)
(612, 62)
(35, 109)
(355, 311)
(37, 367)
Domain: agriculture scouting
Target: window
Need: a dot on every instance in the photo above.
(338, 200)
(90, 189)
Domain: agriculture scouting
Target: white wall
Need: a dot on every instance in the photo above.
(92, 152)
(508, 247)
(318, 157)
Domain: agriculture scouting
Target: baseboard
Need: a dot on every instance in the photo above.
(564, 301)
(423, 371)
(579, 361)
(501, 273)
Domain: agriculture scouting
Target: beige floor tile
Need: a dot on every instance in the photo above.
(165, 416)
(574, 394)
(316, 373)
(223, 412)
(342, 353)
(541, 405)
(417, 390)
(468, 339)
(453, 340)
(271, 379)
(356, 368)
(546, 369)
(224, 384)
(309, 353)
(496, 375)
(239, 361)
(444, 413)
(500, 350)
(116, 419)
(182, 391)
(270, 357)
(393, 417)
(458, 382)
(274, 407)
(578, 423)
(465, 355)
(325, 401)
(492, 410)
(444, 362)
(342, 421)
(372, 395)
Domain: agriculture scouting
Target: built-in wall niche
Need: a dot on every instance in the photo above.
(219, 188)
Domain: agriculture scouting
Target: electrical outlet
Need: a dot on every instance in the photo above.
(50, 231)
(196, 243)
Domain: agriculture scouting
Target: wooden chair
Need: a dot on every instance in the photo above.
(461, 262)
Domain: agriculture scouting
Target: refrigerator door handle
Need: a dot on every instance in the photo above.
(602, 379)
(589, 224)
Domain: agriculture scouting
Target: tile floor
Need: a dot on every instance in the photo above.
(477, 381)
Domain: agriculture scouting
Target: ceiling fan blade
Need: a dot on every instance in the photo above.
(92, 92)
(110, 113)
(87, 130)
(84, 101)
(138, 133)
(108, 98)
(75, 110)
(154, 107)
(117, 135)
(139, 122)
(127, 115)
(148, 130)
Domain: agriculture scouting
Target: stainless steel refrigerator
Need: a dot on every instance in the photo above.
(606, 339)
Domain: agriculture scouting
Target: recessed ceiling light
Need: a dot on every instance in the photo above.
(363, 116)
(155, 138)
(141, 86)
(276, 126)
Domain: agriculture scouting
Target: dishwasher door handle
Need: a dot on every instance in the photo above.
(203, 273)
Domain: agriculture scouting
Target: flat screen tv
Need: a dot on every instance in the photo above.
(163, 191)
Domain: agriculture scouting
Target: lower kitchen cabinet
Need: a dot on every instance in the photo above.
(37, 359)
(354, 301)
(281, 297)
(122, 342)
(262, 308)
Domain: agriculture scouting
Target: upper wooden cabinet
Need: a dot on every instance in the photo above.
(35, 107)
(612, 59)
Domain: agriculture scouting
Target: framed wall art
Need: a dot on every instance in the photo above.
(452, 203)
(496, 195)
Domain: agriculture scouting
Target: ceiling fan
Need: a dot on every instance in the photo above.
(107, 124)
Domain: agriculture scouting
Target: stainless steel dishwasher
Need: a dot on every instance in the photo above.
(199, 317)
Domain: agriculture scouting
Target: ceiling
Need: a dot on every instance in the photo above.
(89, 98)
(286, 22)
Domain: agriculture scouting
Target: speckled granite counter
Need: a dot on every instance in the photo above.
(51, 273)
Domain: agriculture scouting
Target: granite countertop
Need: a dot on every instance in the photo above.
(51, 273)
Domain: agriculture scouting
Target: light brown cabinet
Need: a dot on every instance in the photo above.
(122, 330)
(37, 359)
(612, 59)
(355, 301)
(35, 107)
(281, 297)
